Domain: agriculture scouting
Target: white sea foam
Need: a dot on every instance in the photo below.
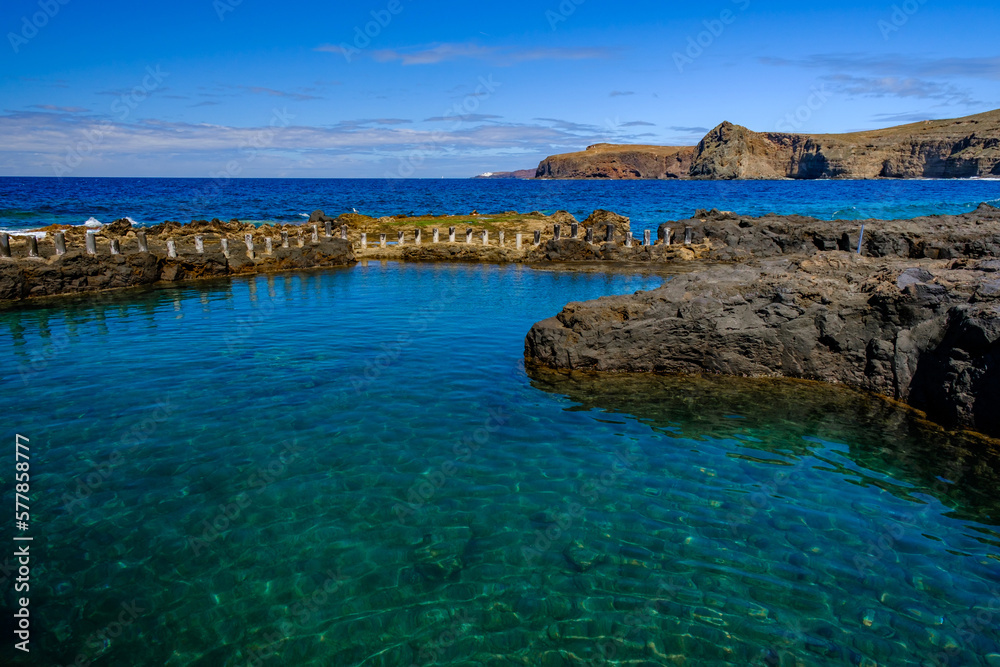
(93, 222)
(21, 232)
(303, 215)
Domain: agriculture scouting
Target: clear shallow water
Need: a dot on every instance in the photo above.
(33, 202)
(352, 468)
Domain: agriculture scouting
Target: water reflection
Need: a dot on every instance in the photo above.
(884, 444)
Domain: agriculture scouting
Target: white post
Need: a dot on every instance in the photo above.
(451, 235)
(199, 244)
(33, 246)
(668, 237)
(225, 247)
(517, 241)
(268, 245)
(486, 237)
(416, 236)
(468, 235)
(381, 240)
(688, 235)
(315, 234)
(4, 244)
(364, 241)
(284, 239)
(501, 238)
(116, 248)
(91, 243)
(400, 238)
(171, 249)
(60, 241)
(437, 235)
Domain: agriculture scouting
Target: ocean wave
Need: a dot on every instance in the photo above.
(21, 232)
(93, 222)
(303, 215)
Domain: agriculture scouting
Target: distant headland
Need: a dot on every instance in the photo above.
(966, 147)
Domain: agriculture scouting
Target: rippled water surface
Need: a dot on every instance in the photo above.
(354, 468)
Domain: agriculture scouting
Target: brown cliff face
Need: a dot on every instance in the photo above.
(620, 162)
(959, 148)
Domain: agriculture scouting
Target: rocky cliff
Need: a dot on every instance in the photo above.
(958, 148)
(620, 162)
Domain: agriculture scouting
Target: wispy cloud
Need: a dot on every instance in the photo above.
(890, 86)
(905, 117)
(332, 48)
(260, 90)
(570, 126)
(366, 122)
(52, 107)
(35, 140)
(434, 54)
(898, 75)
(898, 65)
(690, 130)
(467, 118)
(621, 93)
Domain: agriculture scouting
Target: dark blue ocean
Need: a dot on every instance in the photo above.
(33, 202)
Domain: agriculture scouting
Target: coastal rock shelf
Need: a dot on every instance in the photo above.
(906, 323)
(74, 260)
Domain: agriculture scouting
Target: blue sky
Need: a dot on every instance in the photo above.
(247, 88)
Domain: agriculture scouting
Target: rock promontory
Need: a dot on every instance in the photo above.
(912, 322)
(609, 161)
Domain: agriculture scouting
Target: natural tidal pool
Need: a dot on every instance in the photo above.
(354, 467)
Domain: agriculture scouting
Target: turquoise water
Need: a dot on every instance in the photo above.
(354, 468)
